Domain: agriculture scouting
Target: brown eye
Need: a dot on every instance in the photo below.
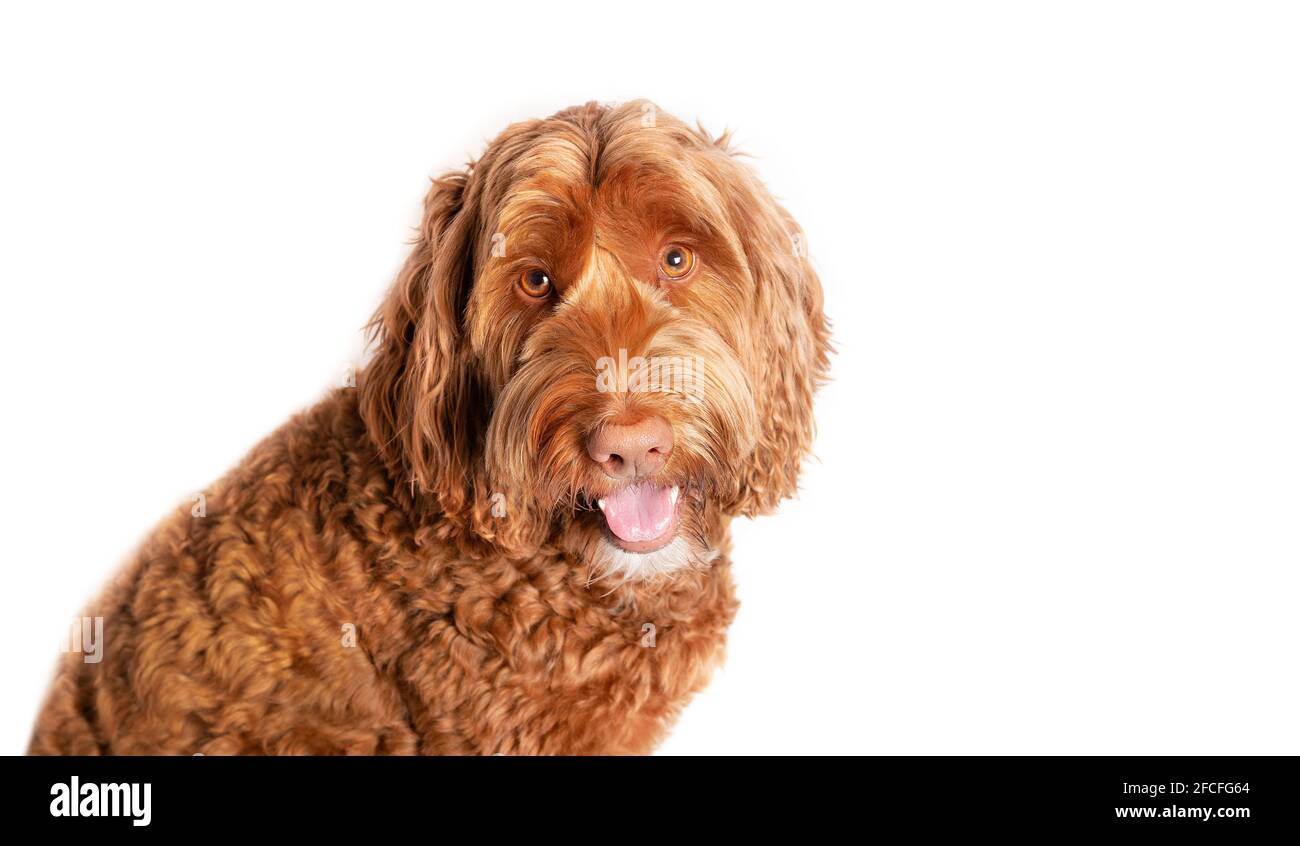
(677, 262)
(535, 282)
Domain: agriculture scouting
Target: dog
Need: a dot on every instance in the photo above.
(510, 536)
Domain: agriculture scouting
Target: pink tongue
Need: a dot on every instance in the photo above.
(639, 512)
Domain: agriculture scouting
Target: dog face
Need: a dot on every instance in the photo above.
(608, 333)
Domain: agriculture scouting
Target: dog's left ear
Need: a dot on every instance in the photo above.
(789, 344)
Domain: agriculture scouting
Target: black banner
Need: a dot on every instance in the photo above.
(1227, 797)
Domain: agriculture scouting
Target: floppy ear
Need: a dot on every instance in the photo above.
(789, 344)
(420, 398)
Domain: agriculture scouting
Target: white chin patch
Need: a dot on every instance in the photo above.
(616, 565)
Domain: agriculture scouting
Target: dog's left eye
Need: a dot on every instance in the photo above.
(676, 262)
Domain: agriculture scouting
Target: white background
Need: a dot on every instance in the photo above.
(1056, 504)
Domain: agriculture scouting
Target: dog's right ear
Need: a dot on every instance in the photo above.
(420, 399)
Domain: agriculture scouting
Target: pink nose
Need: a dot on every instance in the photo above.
(632, 451)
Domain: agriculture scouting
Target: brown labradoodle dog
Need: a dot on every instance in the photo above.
(512, 535)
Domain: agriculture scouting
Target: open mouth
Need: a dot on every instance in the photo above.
(641, 517)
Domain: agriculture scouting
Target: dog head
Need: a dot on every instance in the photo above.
(608, 334)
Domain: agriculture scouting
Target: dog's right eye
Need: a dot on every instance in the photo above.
(535, 283)
(676, 262)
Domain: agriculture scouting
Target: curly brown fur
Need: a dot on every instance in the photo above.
(444, 510)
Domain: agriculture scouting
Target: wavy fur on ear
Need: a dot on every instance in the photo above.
(420, 398)
(422, 395)
(790, 340)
